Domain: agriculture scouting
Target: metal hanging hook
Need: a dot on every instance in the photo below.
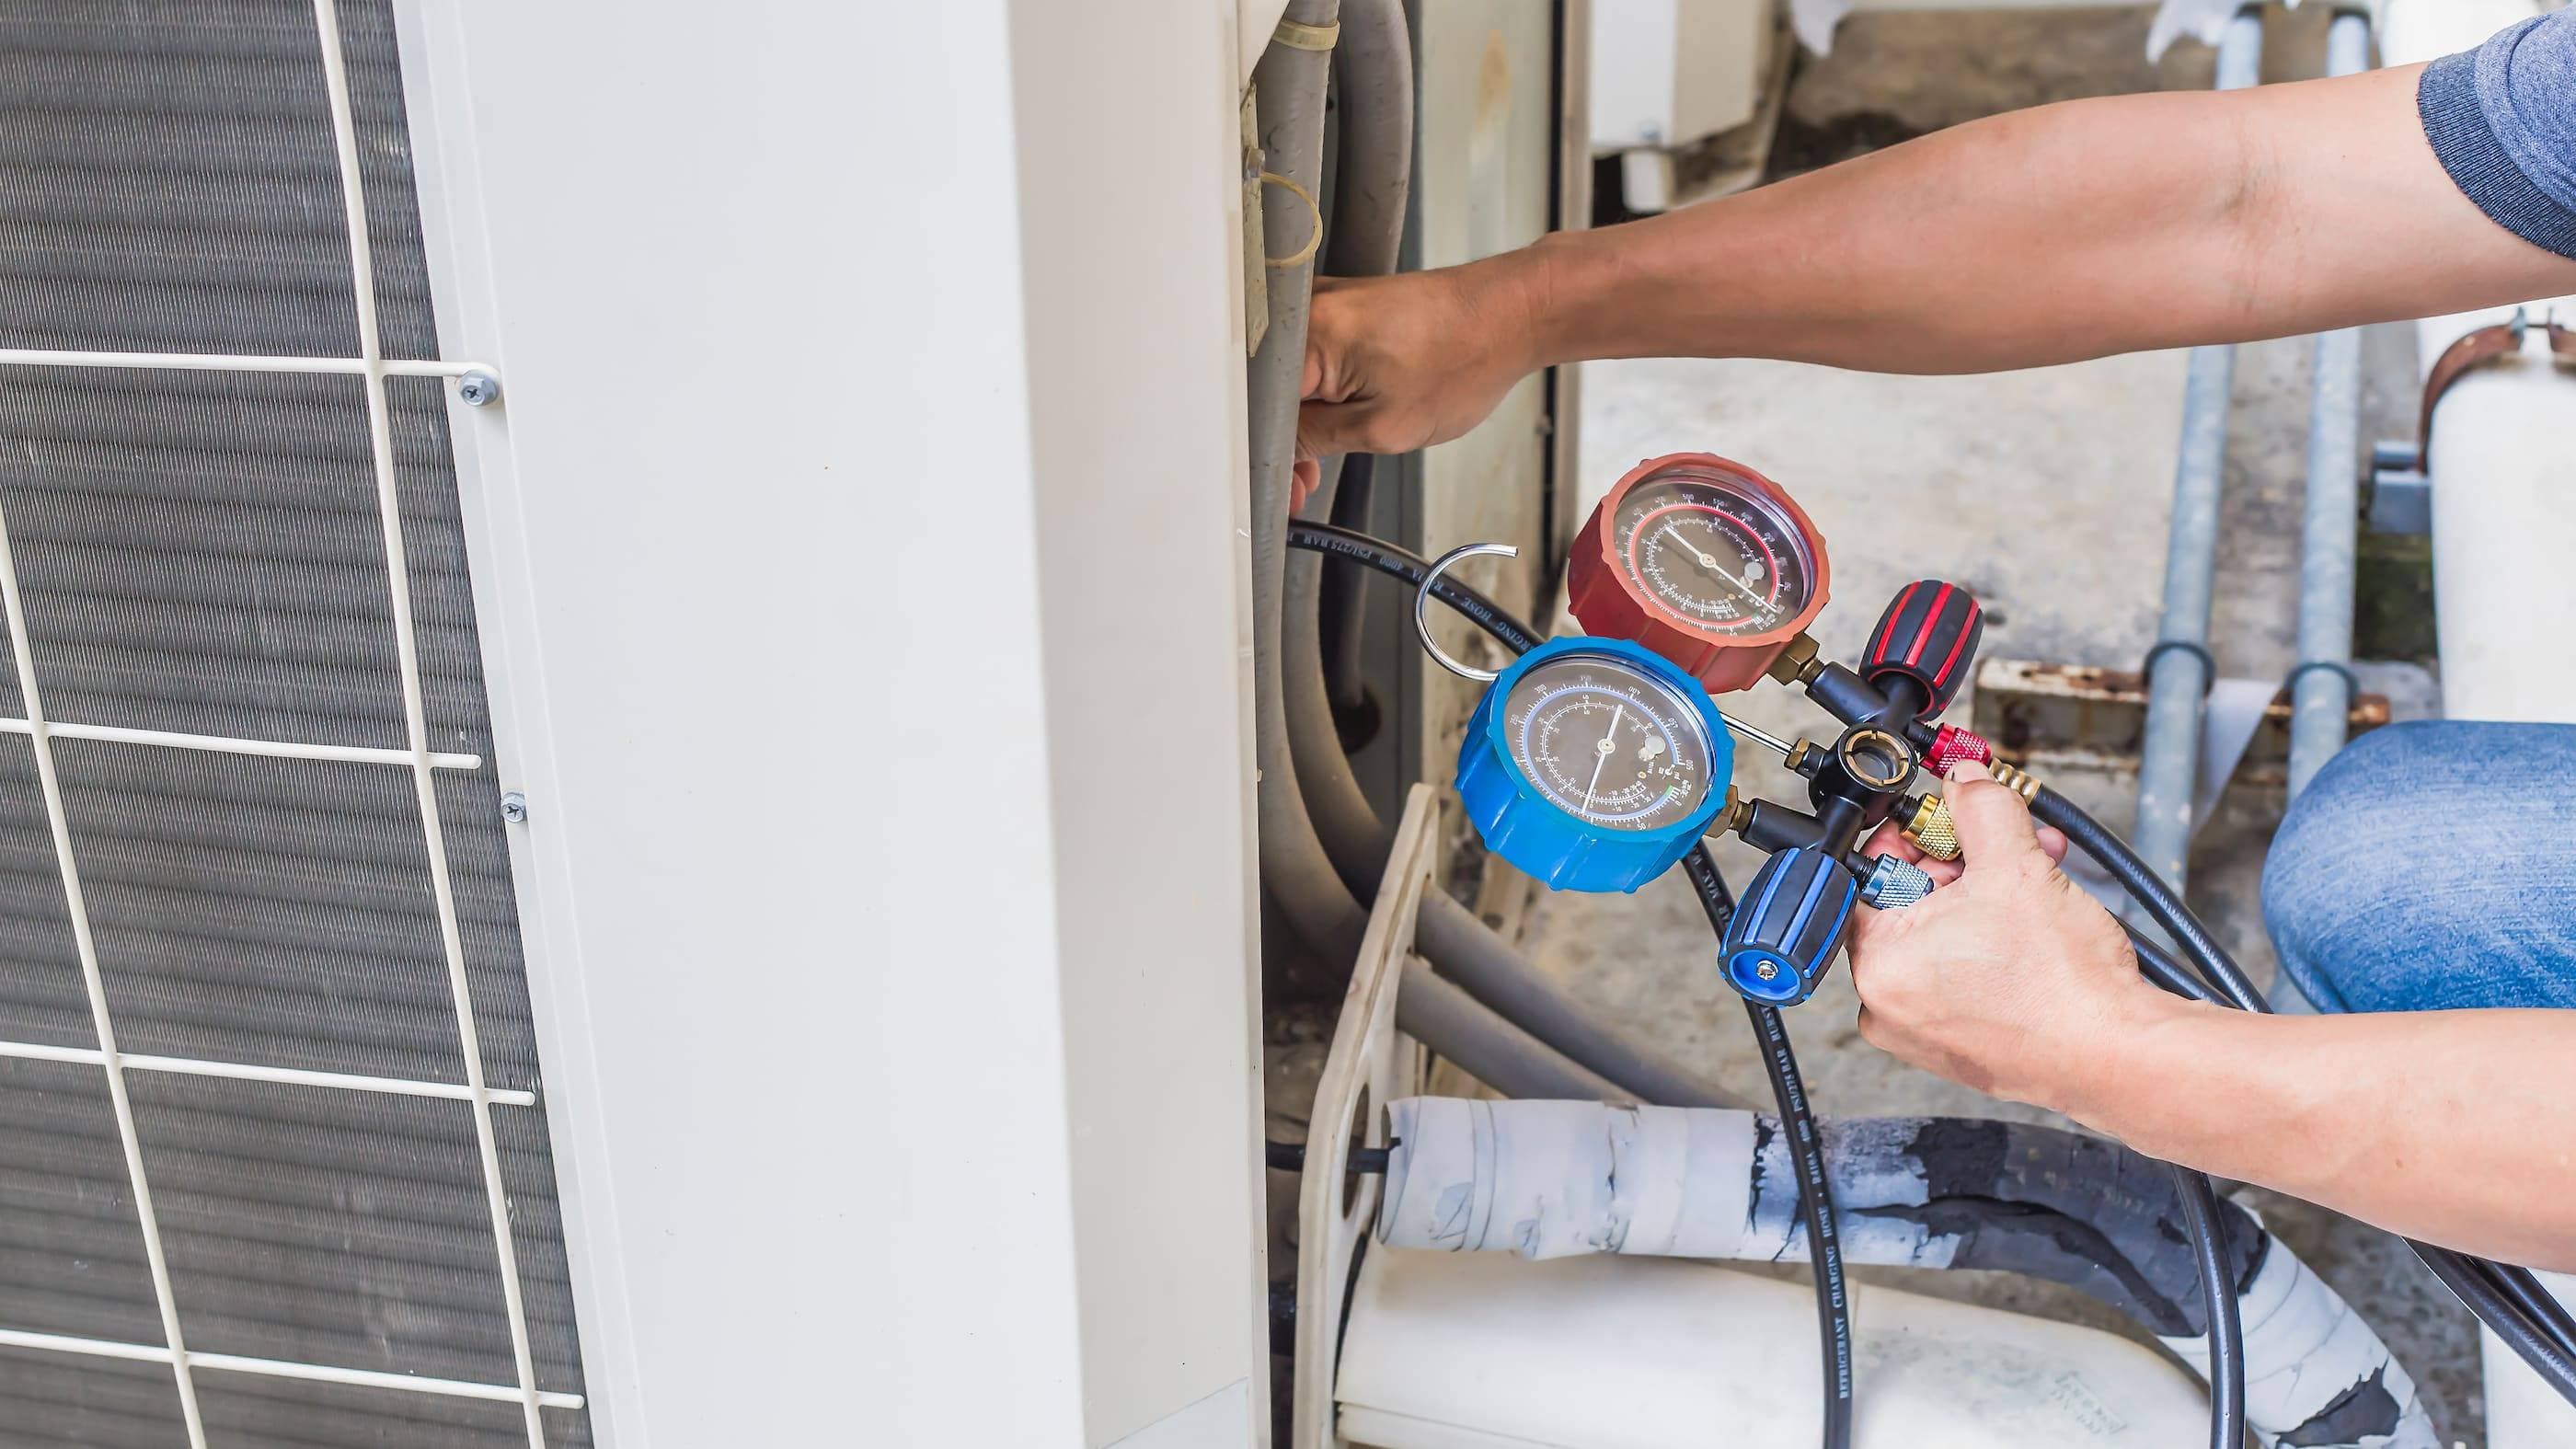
(1422, 607)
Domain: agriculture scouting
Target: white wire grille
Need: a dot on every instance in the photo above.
(373, 368)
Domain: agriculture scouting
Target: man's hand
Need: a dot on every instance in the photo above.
(2008, 978)
(1402, 362)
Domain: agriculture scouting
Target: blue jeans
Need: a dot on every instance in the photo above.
(2432, 865)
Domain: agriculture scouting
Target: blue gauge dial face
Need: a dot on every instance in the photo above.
(1608, 743)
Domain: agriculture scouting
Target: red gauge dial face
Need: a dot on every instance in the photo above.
(1713, 551)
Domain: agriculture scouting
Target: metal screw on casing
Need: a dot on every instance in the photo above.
(514, 808)
(478, 389)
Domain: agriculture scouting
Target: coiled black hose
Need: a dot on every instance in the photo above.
(2505, 1298)
(1807, 1149)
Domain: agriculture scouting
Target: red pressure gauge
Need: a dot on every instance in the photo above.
(1704, 561)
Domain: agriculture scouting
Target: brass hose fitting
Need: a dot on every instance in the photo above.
(2021, 782)
(1797, 661)
(1731, 819)
(1931, 830)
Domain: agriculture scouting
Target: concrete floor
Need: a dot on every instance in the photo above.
(2047, 492)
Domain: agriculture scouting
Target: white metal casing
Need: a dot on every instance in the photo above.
(877, 681)
(1670, 72)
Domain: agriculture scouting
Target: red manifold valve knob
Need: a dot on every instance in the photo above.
(1702, 560)
(1951, 744)
(1928, 636)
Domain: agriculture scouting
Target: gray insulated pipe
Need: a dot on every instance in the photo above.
(1298, 880)
(1555, 1179)
(1299, 883)
(1311, 890)
(1373, 75)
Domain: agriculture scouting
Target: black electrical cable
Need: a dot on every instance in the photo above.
(1807, 1149)
(2504, 1297)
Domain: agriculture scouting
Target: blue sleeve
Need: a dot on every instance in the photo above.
(2502, 120)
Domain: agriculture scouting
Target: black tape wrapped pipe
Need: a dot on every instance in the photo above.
(2504, 1297)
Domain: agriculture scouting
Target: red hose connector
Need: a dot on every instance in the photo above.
(1951, 744)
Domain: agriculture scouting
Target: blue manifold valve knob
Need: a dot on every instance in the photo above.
(1789, 926)
(1594, 764)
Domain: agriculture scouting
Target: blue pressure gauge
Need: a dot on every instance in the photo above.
(1594, 764)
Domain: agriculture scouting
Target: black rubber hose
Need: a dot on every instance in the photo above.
(1807, 1149)
(2544, 1310)
(1343, 604)
(2477, 1291)
(1404, 564)
(2158, 965)
(2206, 1221)
(2504, 1297)
(2149, 890)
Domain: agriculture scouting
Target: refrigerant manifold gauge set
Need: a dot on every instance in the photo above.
(1597, 761)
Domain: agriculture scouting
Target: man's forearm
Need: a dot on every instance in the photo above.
(2069, 231)
(2381, 1116)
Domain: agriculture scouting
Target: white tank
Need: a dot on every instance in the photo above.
(2504, 515)
(1491, 1351)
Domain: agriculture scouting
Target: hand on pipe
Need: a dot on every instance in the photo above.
(1401, 362)
(2009, 978)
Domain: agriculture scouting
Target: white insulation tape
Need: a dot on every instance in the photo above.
(2305, 1348)
(1554, 1179)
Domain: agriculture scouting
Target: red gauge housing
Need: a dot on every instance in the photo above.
(1702, 560)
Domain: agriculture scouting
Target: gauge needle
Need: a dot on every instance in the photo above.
(1609, 742)
(1709, 562)
(1705, 561)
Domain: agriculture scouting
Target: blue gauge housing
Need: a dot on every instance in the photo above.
(1544, 839)
(1789, 926)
